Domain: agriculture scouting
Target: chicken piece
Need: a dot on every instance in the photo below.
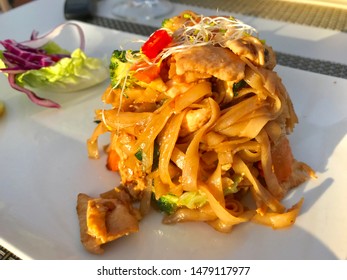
(270, 58)
(91, 243)
(282, 159)
(301, 173)
(103, 220)
(253, 49)
(249, 47)
(193, 120)
(187, 77)
(191, 77)
(127, 194)
(178, 84)
(216, 61)
(130, 168)
(289, 172)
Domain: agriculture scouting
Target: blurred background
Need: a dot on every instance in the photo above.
(16, 3)
(6, 5)
(336, 3)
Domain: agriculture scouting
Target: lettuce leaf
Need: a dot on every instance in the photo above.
(67, 75)
(53, 48)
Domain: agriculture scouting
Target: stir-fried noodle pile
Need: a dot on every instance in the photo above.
(198, 125)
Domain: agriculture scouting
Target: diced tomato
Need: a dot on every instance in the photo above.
(156, 43)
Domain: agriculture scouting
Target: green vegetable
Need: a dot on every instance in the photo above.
(156, 155)
(53, 48)
(187, 16)
(238, 86)
(192, 200)
(166, 23)
(120, 67)
(167, 203)
(67, 75)
(2, 64)
(233, 184)
(138, 155)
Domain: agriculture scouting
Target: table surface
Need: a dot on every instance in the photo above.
(317, 20)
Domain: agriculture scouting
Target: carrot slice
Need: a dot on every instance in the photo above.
(112, 160)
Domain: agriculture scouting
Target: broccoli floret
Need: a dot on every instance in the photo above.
(166, 23)
(119, 68)
(167, 203)
(165, 20)
(119, 55)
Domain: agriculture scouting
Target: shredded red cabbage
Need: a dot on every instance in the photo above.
(29, 55)
(27, 58)
(31, 95)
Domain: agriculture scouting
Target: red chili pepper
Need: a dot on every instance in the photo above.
(156, 43)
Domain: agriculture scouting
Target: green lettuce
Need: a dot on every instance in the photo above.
(67, 75)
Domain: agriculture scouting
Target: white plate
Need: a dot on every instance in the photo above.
(44, 165)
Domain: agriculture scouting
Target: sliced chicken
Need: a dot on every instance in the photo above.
(216, 61)
(254, 50)
(193, 120)
(103, 220)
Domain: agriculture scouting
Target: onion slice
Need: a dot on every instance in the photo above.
(37, 42)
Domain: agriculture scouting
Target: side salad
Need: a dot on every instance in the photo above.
(40, 63)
